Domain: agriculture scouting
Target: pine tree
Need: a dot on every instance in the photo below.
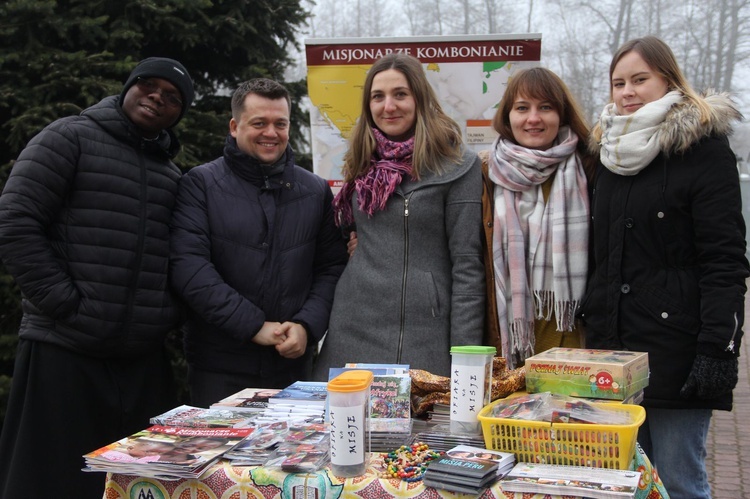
(59, 57)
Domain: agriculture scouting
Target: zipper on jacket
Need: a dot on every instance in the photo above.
(403, 279)
(730, 346)
(140, 244)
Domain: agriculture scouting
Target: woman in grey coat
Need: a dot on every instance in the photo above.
(415, 285)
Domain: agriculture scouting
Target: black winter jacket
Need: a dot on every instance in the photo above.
(84, 230)
(247, 249)
(669, 264)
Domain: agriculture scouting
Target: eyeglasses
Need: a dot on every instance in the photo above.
(150, 86)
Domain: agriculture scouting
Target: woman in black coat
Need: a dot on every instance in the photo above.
(668, 263)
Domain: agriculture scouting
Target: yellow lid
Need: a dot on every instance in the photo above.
(351, 381)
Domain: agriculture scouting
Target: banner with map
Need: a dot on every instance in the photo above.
(468, 73)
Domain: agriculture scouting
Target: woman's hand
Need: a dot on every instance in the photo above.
(352, 244)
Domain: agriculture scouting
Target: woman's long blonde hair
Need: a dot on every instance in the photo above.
(662, 61)
(436, 135)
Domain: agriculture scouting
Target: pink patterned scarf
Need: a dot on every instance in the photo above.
(392, 160)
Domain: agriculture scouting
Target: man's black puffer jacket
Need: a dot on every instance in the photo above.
(84, 230)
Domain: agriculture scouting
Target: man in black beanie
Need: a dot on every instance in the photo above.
(165, 69)
(84, 226)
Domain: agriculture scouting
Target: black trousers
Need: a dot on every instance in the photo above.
(63, 405)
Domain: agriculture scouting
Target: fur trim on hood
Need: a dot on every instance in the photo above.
(682, 126)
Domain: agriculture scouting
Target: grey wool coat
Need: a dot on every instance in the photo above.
(415, 285)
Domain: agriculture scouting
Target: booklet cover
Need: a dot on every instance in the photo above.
(257, 448)
(467, 468)
(294, 457)
(187, 415)
(597, 483)
(302, 393)
(505, 460)
(248, 399)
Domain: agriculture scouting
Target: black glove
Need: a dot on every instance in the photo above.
(711, 377)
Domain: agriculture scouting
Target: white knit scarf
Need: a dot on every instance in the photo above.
(630, 142)
(540, 251)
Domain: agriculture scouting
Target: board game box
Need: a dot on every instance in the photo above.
(582, 372)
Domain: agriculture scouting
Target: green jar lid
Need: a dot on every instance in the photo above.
(474, 349)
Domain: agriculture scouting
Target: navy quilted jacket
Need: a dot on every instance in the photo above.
(246, 250)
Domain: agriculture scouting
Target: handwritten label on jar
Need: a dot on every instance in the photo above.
(467, 392)
(347, 435)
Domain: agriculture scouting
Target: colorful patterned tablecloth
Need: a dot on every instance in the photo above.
(223, 481)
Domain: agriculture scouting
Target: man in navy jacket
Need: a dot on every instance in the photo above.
(255, 254)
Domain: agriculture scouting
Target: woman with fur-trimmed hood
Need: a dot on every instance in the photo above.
(668, 264)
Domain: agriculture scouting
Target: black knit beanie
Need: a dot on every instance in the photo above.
(167, 69)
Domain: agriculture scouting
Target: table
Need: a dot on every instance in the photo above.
(223, 481)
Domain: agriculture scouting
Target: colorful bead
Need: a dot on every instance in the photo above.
(408, 462)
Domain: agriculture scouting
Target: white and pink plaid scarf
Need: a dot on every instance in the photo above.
(540, 251)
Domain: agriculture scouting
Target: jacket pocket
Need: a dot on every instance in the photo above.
(666, 311)
(427, 290)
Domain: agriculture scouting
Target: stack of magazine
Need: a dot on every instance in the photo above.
(468, 469)
(258, 448)
(440, 414)
(440, 438)
(300, 402)
(304, 449)
(187, 415)
(292, 448)
(386, 440)
(166, 452)
(252, 400)
(597, 483)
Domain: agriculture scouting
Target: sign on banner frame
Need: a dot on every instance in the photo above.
(337, 67)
